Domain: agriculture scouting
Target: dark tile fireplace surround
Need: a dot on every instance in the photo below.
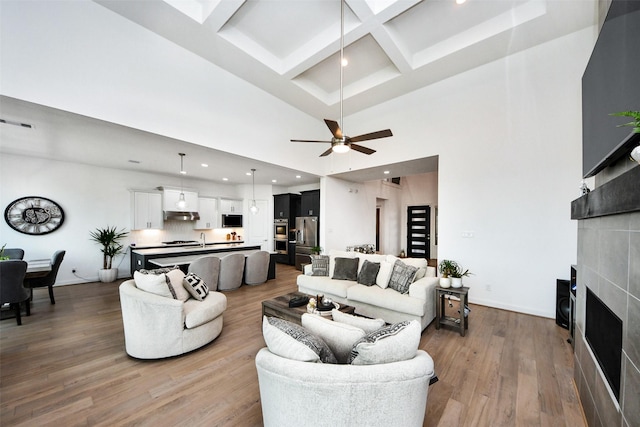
(609, 265)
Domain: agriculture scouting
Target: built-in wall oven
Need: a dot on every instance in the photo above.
(281, 236)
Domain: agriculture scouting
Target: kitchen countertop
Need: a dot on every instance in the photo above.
(180, 245)
(217, 247)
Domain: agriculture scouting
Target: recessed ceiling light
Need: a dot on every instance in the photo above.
(460, 1)
(274, 180)
(386, 172)
(344, 62)
(204, 165)
(225, 179)
(248, 173)
(298, 176)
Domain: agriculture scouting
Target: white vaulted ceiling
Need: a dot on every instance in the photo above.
(290, 48)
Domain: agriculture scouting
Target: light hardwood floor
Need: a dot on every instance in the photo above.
(66, 366)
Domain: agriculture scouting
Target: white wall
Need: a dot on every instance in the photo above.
(508, 137)
(92, 197)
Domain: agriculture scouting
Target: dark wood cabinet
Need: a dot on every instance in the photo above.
(310, 203)
(286, 206)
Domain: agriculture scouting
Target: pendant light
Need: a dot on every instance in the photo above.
(254, 209)
(341, 147)
(181, 204)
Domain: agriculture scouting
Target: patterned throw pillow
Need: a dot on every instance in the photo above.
(196, 286)
(346, 269)
(174, 280)
(368, 273)
(386, 345)
(319, 265)
(402, 277)
(294, 342)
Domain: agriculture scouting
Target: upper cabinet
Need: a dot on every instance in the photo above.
(147, 210)
(230, 206)
(171, 198)
(208, 210)
(286, 206)
(310, 203)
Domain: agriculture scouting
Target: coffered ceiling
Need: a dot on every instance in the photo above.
(290, 49)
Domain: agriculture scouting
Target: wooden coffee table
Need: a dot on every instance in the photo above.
(279, 307)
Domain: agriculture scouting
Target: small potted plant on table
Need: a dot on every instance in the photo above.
(446, 268)
(109, 239)
(457, 275)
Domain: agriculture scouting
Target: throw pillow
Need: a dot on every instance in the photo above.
(368, 273)
(339, 337)
(420, 263)
(386, 345)
(319, 265)
(364, 323)
(175, 278)
(159, 270)
(401, 277)
(384, 274)
(195, 286)
(346, 269)
(153, 283)
(294, 342)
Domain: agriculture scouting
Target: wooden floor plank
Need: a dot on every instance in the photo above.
(66, 365)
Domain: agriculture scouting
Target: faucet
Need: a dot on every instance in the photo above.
(203, 238)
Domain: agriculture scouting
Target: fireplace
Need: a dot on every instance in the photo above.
(603, 332)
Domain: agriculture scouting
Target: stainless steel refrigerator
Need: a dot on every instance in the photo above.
(306, 238)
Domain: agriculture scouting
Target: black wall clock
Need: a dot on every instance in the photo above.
(34, 215)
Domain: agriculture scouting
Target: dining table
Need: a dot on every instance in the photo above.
(35, 268)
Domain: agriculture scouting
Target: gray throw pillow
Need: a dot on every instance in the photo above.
(402, 276)
(368, 273)
(319, 265)
(273, 330)
(346, 269)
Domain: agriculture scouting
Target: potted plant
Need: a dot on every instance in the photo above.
(446, 268)
(635, 123)
(109, 239)
(316, 250)
(457, 275)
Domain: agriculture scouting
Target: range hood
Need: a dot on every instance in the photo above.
(170, 197)
(181, 216)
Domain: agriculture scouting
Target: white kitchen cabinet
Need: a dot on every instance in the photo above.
(230, 206)
(208, 210)
(171, 197)
(147, 210)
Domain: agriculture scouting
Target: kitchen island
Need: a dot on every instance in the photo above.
(140, 258)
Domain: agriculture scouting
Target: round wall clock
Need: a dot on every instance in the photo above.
(34, 215)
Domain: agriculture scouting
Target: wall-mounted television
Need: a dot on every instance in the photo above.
(610, 84)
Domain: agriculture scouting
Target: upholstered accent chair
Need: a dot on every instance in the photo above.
(157, 326)
(50, 279)
(12, 291)
(208, 269)
(231, 272)
(256, 268)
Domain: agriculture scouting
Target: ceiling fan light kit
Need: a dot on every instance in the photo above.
(341, 143)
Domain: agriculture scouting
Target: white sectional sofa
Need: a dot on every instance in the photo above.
(378, 300)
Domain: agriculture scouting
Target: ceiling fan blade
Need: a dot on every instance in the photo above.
(326, 153)
(362, 149)
(334, 127)
(373, 135)
(309, 140)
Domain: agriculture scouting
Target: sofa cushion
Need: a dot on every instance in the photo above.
(364, 323)
(333, 254)
(198, 313)
(294, 342)
(176, 276)
(420, 263)
(325, 285)
(346, 269)
(385, 298)
(386, 345)
(319, 265)
(368, 273)
(384, 274)
(154, 283)
(195, 286)
(370, 258)
(402, 276)
(340, 337)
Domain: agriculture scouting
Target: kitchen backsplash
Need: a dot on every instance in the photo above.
(180, 230)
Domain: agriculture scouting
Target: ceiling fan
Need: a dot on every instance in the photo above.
(341, 143)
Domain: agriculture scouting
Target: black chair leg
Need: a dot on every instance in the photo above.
(28, 307)
(53, 300)
(18, 318)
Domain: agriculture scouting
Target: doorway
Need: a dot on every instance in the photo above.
(419, 231)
